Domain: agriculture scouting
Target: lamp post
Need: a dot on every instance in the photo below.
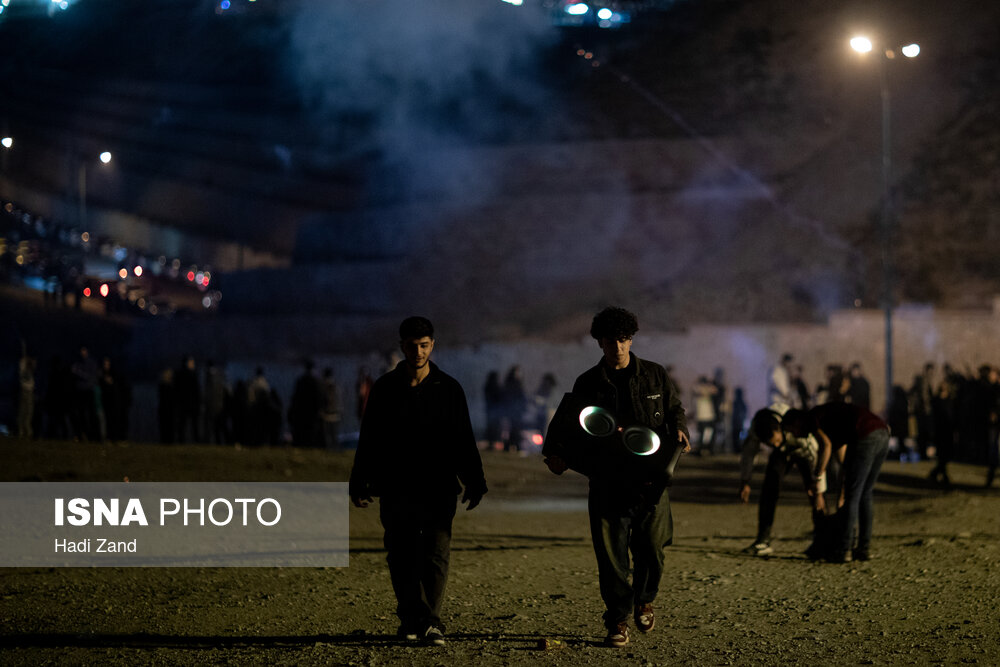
(105, 158)
(864, 45)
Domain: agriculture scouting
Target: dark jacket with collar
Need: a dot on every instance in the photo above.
(652, 399)
(416, 439)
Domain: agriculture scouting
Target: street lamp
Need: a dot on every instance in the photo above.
(863, 44)
(105, 158)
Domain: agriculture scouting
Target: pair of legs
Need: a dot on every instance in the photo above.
(777, 467)
(418, 542)
(861, 467)
(623, 522)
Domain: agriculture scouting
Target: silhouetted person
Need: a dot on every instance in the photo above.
(515, 402)
(493, 398)
(84, 371)
(166, 406)
(305, 409)
(216, 400)
(59, 399)
(332, 411)
(860, 390)
(116, 397)
(416, 445)
(187, 396)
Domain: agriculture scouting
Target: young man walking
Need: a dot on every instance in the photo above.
(416, 445)
(628, 503)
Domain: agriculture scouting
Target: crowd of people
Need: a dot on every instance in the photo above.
(87, 400)
(80, 399)
(510, 411)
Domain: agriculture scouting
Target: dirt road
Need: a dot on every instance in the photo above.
(522, 572)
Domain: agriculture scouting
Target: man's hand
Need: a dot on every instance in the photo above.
(556, 464)
(745, 494)
(362, 501)
(682, 437)
(473, 498)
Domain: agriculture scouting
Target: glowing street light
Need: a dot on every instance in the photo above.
(863, 45)
(7, 142)
(105, 158)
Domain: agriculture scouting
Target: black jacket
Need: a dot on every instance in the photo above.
(416, 439)
(652, 401)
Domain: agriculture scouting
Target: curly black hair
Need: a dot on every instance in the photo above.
(614, 323)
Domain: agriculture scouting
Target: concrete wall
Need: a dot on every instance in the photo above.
(964, 339)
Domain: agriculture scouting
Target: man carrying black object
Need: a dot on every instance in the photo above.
(861, 441)
(787, 451)
(628, 504)
(416, 443)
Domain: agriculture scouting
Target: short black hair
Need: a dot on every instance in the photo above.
(765, 422)
(793, 421)
(614, 323)
(416, 327)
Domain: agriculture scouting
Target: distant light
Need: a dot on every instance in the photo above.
(207, 301)
(123, 274)
(514, 2)
(861, 44)
(7, 142)
(85, 237)
(105, 157)
(579, 9)
(176, 264)
(190, 276)
(137, 271)
(224, 4)
(86, 291)
(911, 50)
(104, 289)
(604, 13)
(537, 439)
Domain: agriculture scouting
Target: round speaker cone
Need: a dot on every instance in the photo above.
(641, 440)
(596, 421)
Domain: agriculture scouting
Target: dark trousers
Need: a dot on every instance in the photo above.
(418, 542)
(777, 467)
(623, 521)
(861, 467)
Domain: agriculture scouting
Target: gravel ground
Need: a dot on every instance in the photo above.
(523, 572)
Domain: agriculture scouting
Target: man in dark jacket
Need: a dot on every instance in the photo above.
(416, 444)
(628, 504)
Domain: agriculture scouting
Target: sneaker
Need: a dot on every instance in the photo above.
(407, 633)
(433, 636)
(861, 554)
(617, 636)
(759, 549)
(839, 557)
(644, 619)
